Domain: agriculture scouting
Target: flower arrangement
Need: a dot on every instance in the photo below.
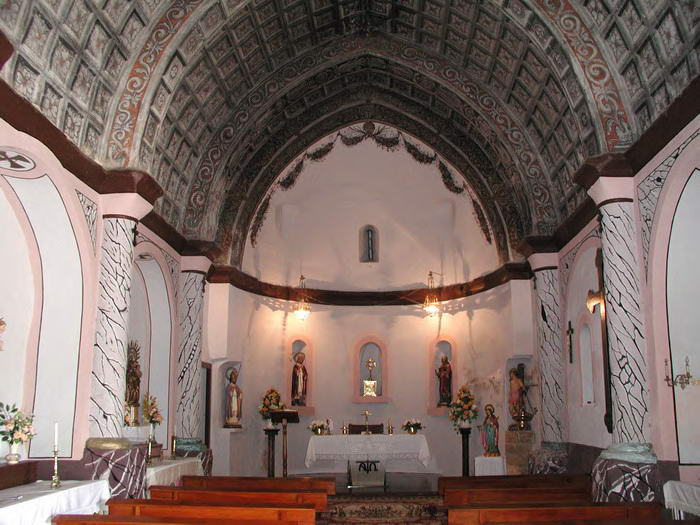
(319, 426)
(15, 427)
(463, 408)
(271, 401)
(412, 425)
(150, 410)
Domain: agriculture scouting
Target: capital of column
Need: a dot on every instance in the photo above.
(608, 178)
(128, 193)
(126, 205)
(195, 263)
(543, 261)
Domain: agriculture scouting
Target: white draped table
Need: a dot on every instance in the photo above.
(401, 449)
(37, 502)
(169, 471)
(682, 497)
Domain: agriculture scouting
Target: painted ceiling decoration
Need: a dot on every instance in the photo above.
(198, 92)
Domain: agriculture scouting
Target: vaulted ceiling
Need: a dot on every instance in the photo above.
(215, 97)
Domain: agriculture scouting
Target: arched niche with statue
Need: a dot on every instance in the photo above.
(232, 405)
(299, 372)
(370, 379)
(442, 375)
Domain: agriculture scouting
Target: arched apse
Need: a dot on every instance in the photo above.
(351, 178)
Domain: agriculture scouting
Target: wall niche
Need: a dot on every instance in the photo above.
(370, 371)
(299, 371)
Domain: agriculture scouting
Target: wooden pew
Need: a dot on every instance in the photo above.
(551, 512)
(525, 481)
(256, 483)
(70, 519)
(529, 495)
(317, 498)
(304, 514)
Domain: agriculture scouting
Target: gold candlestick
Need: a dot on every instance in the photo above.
(55, 479)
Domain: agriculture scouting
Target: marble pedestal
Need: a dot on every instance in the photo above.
(519, 444)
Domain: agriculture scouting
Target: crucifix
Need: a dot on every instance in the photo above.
(570, 332)
(366, 413)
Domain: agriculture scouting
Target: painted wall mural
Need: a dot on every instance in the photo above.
(189, 409)
(549, 345)
(109, 359)
(90, 211)
(626, 341)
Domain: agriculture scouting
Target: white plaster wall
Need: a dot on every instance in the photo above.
(683, 289)
(16, 307)
(586, 425)
(313, 228)
(481, 327)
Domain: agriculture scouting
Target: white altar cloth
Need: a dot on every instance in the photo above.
(682, 497)
(368, 446)
(37, 502)
(169, 471)
(489, 466)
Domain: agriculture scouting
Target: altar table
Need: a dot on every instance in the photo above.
(383, 447)
(169, 471)
(38, 502)
(682, 497)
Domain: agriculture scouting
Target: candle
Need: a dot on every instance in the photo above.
(55, 436)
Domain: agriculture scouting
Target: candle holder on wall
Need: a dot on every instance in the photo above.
(681, 380)
(55, 479)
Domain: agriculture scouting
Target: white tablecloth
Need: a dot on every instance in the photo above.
(169, 471)
(682, 497)
(489, 466)
(370, 446)
(37, 502)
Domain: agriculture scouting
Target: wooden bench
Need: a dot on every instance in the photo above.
(315, 497)
(304, 514)
(530, 495)
(551, 512)
(256, 483)
(71, 519)
(545, 480)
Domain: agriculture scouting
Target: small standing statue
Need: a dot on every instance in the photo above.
(489, 432)
(133, 380)
(300, 379)
(517, 400)
(444, 375)
(234, 401)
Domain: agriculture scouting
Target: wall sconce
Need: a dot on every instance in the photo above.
(431, 304)
(681, 380)
(302, 310)
(595, 299)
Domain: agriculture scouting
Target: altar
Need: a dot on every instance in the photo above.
(37, 502)
(400, 452)
(169, 471)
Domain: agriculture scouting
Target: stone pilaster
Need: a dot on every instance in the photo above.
(121, 213)
(189, 414)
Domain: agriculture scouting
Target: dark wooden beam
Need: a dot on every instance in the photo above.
(248, 283)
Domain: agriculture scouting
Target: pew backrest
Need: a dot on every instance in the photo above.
(317, 498)
(70, 519)
(146, 507)
(255, 483)
(529, 495)
(526, 481)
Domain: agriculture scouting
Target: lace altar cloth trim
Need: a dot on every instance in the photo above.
(381, 447)
(682, 496)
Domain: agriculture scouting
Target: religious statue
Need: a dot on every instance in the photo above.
(300, 380)
(234, 401)
(133, 379)
(516, 397)
(489, 432)
(444, 376)
(369, 386)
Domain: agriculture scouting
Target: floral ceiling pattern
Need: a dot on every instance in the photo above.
(192, 90)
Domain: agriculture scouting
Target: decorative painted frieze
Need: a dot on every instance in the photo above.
(90, 212)
(109, 357)
(190, 407)
(549, 345)
(626, 343)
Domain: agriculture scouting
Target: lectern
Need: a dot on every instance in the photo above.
(284, 417)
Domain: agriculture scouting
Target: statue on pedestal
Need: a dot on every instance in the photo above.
(489, 432)
(444, 376)
(517, 400)
(300, 379)
(132, 397)
(234, 401)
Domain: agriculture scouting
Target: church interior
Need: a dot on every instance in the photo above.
(437, 248)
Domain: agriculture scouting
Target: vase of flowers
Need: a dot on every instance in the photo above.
(463, 408)
(412, 426)
(270, 401)
(319, 427)
(151, 414)
(15, 428)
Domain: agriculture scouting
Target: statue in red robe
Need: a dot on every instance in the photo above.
(444, 377)
(300, 380)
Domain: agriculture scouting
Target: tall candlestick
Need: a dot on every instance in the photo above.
(55, 435)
